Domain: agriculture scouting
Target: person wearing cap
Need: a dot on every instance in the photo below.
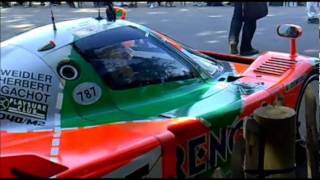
(313, 12)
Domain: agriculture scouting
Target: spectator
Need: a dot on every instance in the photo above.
(101, 4)
(71, 4)
(23, 3)
(290, 3)
(55, 3)
(169, 3)
(5, 4)
(151, 4)
(312, 12)
(293, 4)
(214, 3)
(110, 12)
(133, 4)
(80, 4)
(120, 4)
(245, 14)
(198, 3)
(97, 4)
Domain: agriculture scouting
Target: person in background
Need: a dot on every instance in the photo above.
(110, 11)
(71, 4)
(5, 4)
(152, 4)
(133, 4)
(55, 3)
(313, 12)
(169, 3)
(198, 3)
(245, 16)
(290, 3)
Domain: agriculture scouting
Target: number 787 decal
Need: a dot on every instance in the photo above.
(87, 93)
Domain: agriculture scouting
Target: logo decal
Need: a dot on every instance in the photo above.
(4, 103)
(206, 151)
(28, 92)
(295, 83)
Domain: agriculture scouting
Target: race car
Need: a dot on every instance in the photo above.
(93, 98)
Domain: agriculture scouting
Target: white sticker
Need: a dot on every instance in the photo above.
(87, 93)
(29, 90)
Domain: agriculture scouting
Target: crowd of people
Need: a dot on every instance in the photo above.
(150, 4)
(6, 4)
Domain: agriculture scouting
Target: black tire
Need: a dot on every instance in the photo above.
(307, 145)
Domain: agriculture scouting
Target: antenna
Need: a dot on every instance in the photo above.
(53, 23)
(99, 15)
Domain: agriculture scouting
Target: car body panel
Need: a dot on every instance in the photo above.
(181, 128)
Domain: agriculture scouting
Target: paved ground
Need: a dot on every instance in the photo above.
(200, 27)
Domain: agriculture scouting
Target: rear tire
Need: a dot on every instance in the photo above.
(307, 144)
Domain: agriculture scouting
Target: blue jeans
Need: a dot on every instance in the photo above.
(248, 29)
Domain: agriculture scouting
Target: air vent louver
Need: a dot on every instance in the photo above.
(275, 66)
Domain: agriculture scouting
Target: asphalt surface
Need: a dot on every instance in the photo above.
(204, 28)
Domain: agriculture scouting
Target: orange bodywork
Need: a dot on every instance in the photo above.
(300, 67)
(98, 151)
(95, 151)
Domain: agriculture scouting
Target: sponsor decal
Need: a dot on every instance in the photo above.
(24, 96)
(4, 103)
(206, 151)
(29, 91)
(295, 83)
(87, 93)
(20, 119)
(25, 85)
(23, 107)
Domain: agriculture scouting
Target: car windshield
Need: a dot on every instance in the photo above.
(206, 63)
(127, 57)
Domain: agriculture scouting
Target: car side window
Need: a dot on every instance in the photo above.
(137, 61)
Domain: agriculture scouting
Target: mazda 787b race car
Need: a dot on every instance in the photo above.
(98, 98)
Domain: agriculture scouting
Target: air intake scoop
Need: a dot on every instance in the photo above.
(275, 66)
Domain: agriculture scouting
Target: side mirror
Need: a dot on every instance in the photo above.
(289, 30)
